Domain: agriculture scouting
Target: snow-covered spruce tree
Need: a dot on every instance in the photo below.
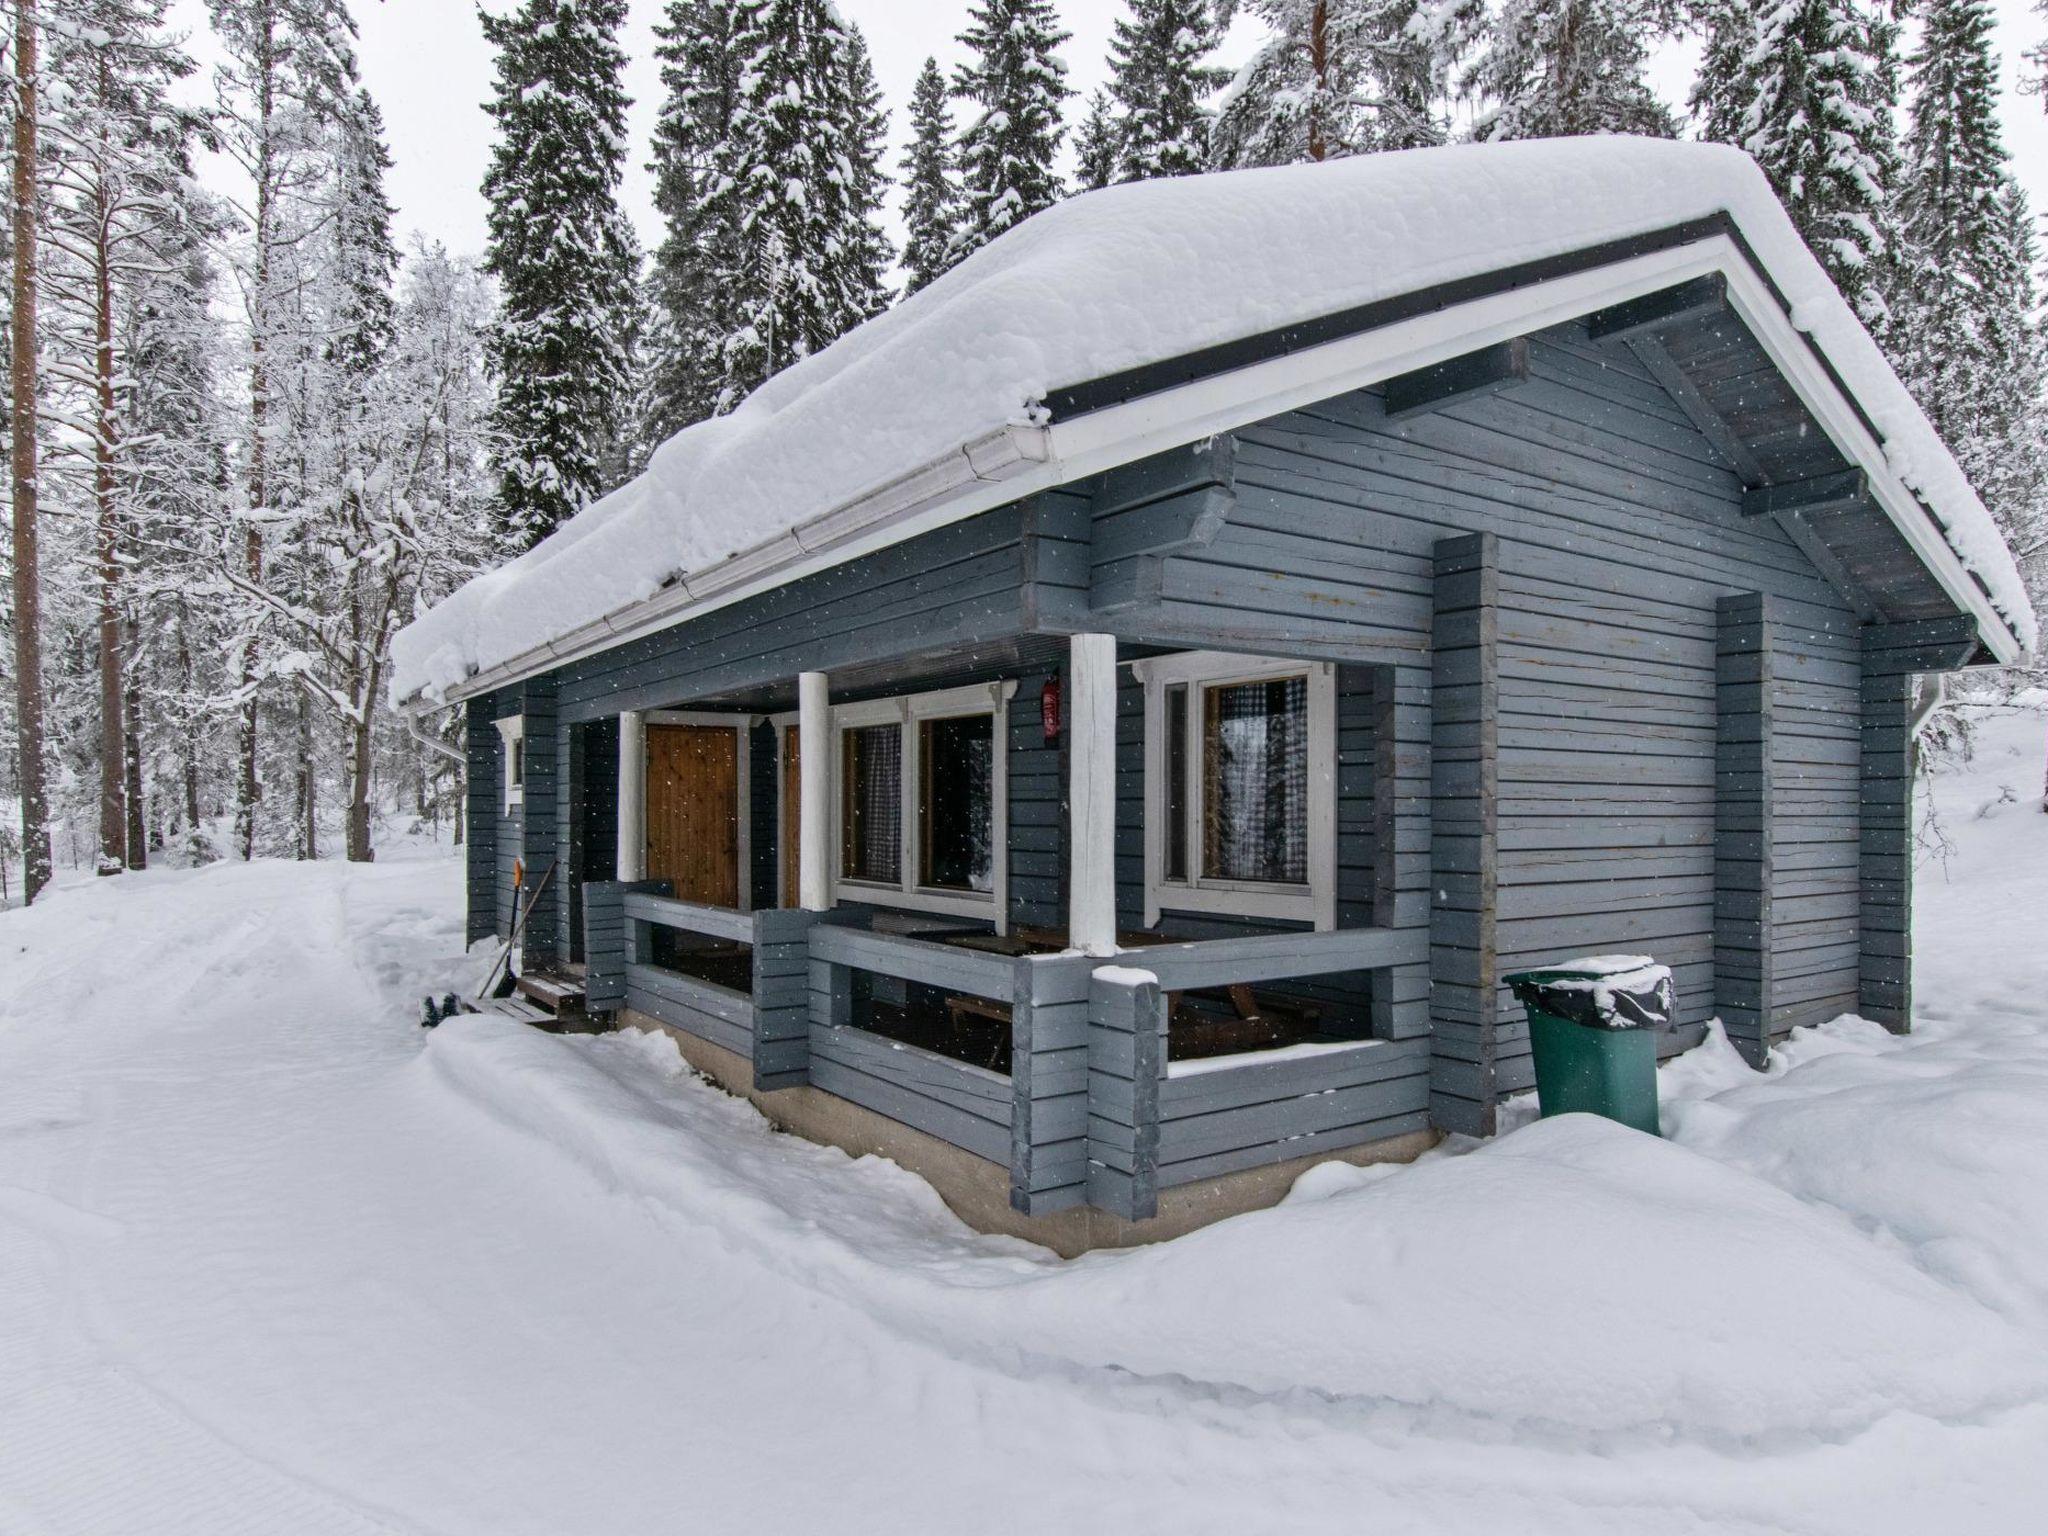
(1159, 82)
(1958, 327)
(1819, 122)
(1336, 78)
(1558, 68)
(863, 244)
(287, 65)
(1098, 147)
(1722, 87)
(784, 198)
(563, 254)
(931, 197)
(684, 371)
(118, 151)
(1016, 84)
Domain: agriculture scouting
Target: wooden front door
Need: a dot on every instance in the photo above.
(693, 811)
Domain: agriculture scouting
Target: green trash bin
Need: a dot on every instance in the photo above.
(1593, 1024)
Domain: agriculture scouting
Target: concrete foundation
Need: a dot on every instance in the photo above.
(978, 1191)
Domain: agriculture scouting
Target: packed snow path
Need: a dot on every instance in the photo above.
(273, 1261)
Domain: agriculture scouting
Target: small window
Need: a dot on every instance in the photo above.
(872, 784)
(956, 803)
(1240, 800)
(512, 731)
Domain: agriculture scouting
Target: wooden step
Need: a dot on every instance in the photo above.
(520, 1009)
(554, 993)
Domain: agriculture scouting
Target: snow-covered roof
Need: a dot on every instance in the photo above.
(937, 401)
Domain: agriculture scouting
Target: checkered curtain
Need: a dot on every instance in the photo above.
(1258, 810)
(874, 824)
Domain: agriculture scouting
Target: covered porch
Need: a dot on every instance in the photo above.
(1108, 918)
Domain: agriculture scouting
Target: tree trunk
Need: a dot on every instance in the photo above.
(139, 839)
(359, 850)
(28, 651)
(1319, 61)
(191, 741)
(113, 711)
(247, 789)
(307, 810)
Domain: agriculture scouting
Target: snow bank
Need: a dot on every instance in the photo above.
(1575, 1277)
(1132, 275)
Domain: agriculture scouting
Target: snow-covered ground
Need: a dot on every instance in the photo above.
(273, 1261)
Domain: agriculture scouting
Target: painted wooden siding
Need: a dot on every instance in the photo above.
(480, 819)
(509, 830)
(938, 593)
(1037, 810)
(1619, 530)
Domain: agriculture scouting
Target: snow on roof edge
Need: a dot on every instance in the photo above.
(1139, 274)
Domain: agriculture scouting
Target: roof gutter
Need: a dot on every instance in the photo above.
(986, 473)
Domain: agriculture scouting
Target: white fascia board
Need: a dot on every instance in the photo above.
(1016, 461)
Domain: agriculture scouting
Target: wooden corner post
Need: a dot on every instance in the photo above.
(1743, 823)
(1464, 838)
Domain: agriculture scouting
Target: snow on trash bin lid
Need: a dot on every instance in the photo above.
(1609, 991)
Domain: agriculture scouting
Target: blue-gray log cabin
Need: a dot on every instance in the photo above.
(1144, 800)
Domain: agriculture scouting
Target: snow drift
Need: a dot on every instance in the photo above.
(1131, 275)
(1575, 1277)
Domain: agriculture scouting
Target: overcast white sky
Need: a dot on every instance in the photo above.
(428, 66)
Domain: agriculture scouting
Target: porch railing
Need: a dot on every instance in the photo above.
(1089, 1112)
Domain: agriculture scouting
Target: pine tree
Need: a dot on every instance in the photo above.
(785, 195)
(1955, 330)
(865, 250)
(931, 199)
(366, 259)
(1158, 79)
(1818, 121)
(563, 254)
(700, 77)
(1336, 78)
(289, 63)
(23, 408)
(1018, 83)
(1558, 68)
(1723, 88)
(120, 156)
(1098, 146)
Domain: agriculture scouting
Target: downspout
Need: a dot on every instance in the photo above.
(412, 729)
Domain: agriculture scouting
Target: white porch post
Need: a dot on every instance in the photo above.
(1091, 796)
(814, 791)
(632, 795)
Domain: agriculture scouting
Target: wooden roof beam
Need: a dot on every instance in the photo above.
(1694, 300)
(1823, 493)
(1484, 372)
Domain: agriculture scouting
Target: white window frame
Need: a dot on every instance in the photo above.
(743, 792)
(512, 732)
(907, 711)
(1314, 901)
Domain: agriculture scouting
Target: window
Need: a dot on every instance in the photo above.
(512, 730)
(919, 797)
(1240, 802)
(956, 803)
(871, 816)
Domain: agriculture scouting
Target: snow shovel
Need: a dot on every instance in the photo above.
(504, 988)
